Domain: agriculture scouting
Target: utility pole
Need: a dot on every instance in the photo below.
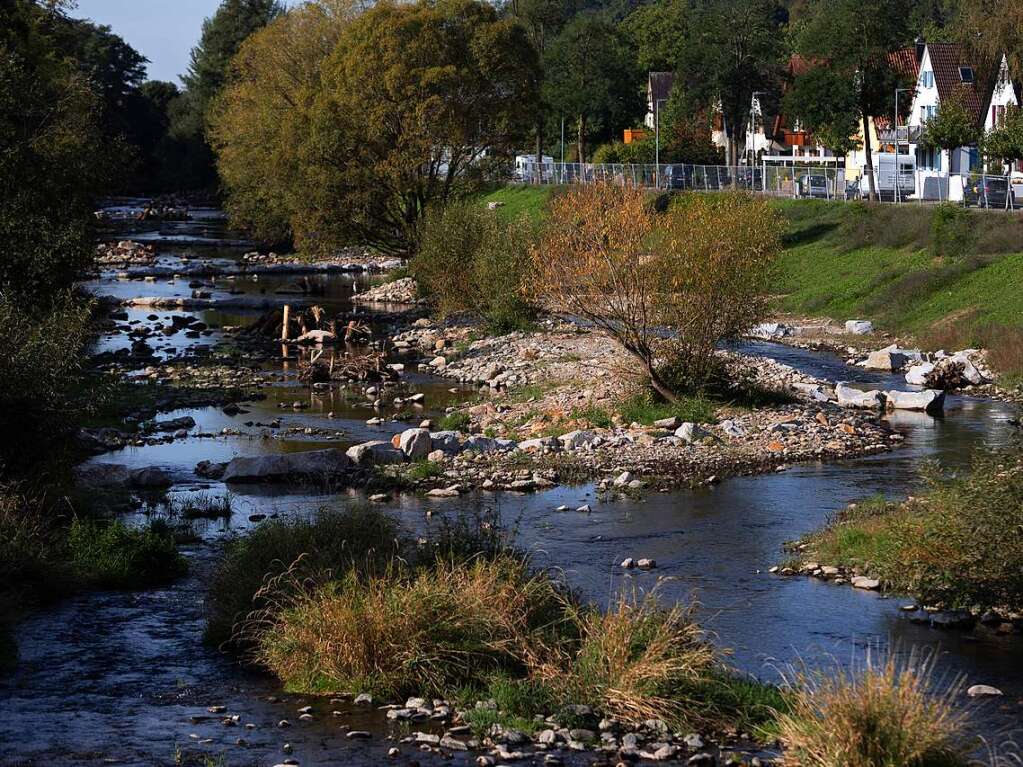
(895, 125)
(657, 142)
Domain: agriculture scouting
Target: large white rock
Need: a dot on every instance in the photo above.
(859, 327)
(970, 373)
(856, 398)
(811, 391)
(928, 400)
(577, 439)
(416, 444)
(375, 453)
(770, 330)
(886, 359)
(918, 374)
(284, 466)
(691, 432)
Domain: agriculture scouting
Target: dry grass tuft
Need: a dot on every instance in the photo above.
(630, 661)
(883, 715)
(424, 632)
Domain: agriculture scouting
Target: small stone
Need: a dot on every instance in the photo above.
(628, 563)
(358, 735)
(979, 690)
(646, 564)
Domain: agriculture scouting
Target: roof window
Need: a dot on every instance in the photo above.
(966, 74)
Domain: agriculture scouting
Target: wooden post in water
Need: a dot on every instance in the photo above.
(284, 325)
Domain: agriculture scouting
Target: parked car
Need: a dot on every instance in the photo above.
(989, 192)
(815, 186)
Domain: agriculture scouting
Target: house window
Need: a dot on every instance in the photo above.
(929, 159)
(927, 79)
(966, 74)
(928, 112)
(997, 115)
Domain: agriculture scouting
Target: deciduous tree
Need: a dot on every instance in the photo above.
(415, 101)
(854, 37)
(825, 103)
(953, 127)
(591, 76)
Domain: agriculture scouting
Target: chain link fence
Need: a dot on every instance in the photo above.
(903, 185)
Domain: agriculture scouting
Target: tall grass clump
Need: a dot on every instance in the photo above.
(332, 541)
(630, 660)
(408, 632)
(472, 260)
(952, 232)
(883, 715)
(115, 556)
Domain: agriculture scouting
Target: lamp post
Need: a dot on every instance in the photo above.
(754, 113)
(657, 142)
(898, 179)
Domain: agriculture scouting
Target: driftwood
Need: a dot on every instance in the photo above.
(370, 367)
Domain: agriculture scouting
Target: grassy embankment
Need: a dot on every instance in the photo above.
(957, 545)
(364, 607)
(948, 279)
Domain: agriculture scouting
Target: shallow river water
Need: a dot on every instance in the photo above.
(117, 678)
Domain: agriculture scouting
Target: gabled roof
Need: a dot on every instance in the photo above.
(948, 60)
(659, 85)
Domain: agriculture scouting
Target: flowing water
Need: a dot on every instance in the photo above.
(124, 678)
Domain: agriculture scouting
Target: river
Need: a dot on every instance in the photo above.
(117, 678)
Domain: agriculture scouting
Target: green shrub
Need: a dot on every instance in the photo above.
(893, 226)
(115, 556)
(455, 422)
(956, 545)
(333, 541)
(41, 397)
(952, 231)
(471, 260)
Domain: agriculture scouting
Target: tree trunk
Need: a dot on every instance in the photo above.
(658, 384)
(869, 157)
(581, 141)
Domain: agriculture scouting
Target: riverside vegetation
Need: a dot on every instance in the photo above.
(365, 609)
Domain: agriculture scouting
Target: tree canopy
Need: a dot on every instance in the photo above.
(954, 126)
(591, 76)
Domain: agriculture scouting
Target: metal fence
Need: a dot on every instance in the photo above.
(902, 186)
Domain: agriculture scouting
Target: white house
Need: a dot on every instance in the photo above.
(944, 70)
(1003, 95)
(658, 91)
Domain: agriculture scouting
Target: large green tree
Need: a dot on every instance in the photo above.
(658, 32)
(253, 123)
(222, 36)
(734, 48)
(825, 103)
(408, 110)
(54, 157)
(853, 38)
(592, 77)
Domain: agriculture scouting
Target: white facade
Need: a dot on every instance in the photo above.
(935, 167)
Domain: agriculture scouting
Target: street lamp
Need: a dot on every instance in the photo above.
(895, 125)
(753, 122)
(657, 142)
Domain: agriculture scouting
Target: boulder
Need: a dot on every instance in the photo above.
(868, 584)
(918, 374)
(970, 374)
(859, 327)
(540, 443)
(811, 391)
(375, 453)
(770, 330)
(928, 400)
(280, 468)
(479, 444)
(210, 469)
(857, 398)
(691, 433)
(886, 359)
(574, 440)
(416, 444)
(446, 441)
(104, 474)
(979, 690)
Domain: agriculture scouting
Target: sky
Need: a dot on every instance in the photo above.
(163, 31)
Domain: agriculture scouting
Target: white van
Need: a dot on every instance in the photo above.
(528, 170)
(885, 176)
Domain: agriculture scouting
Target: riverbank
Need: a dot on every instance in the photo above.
(562, 403)
(937, 285)
(953, 548)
